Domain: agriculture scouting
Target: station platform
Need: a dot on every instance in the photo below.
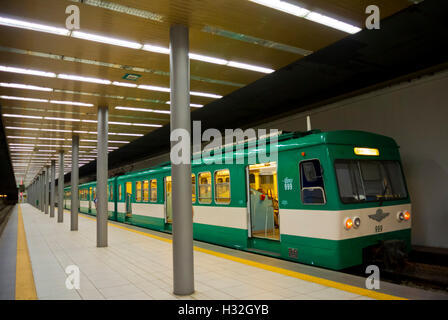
(35, 251)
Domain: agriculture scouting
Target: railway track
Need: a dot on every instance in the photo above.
(5, 212)
(412, 272)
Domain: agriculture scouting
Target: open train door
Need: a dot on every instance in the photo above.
(262, 201)
(128, 200)
(168, 200)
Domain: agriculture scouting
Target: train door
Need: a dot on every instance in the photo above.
(262, 203)
(128, 199)
(168, 201)
(90, 200)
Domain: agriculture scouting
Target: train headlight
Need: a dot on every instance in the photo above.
(400, 216)
(356, 222)
(348, 223)
(407, 215)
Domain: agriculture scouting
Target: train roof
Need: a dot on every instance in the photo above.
(286, 141)
(291, 140)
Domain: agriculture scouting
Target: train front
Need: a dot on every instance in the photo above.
(372, 198)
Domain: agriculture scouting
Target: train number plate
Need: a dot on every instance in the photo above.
(379, 228)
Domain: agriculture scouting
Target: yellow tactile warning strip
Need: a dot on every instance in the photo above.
(290, 273)
(25, 287)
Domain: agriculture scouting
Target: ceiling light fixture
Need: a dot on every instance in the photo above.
(142, 109)
(74, 103)
(24, 86)
(107, 40)
(21, 116)
(84, 79)
(28, 71)
(195, 105)
(307, 14)
(124, 84)
(33, 26)
(23, 99)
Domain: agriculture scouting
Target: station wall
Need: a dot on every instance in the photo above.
(415, 114)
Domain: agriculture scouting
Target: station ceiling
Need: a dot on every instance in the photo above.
(233, 44)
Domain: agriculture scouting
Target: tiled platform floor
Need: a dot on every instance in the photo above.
(138, 267)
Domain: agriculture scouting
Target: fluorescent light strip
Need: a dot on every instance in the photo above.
(193, 93)
(33, 26)
(84, 79)
(124, 84)
(22, 128)
(191, 104)
(62, 119)
(74, 103)
(58, 139)
(107, 40)
(147, 125)
(307, 14)
(24, 86)
(21, 116)
(20, 137)
(23, 99)
(142, 109)
(28, 71)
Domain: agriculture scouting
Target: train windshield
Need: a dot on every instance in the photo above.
(370, 180)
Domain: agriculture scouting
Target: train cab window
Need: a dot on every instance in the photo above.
(193, 188)
(138, 191)
(153, 190)
(120, 192)
(205, 187)
(146, 191)
(369, 180)
(312, 182)
(222, 186)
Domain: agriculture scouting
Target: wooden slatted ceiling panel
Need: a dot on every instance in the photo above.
(238, 16)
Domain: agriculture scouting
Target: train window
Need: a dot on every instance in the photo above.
(108, 192)
(312, 182)
(111, 192)
(369, 180)
(90, 193)
(193, 188)
(94, 193)
(138, 191)
(153, 190)
(120, 192)
(146, 191)
(205, 187)
(222, 186)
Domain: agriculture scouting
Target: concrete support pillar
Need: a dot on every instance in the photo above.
(101, 177)
(61, 187)
(52, 187)
(183, 265)
(74, 201)
(47, 189)
(41, 192)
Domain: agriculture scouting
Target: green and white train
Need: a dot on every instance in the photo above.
(329, 196)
